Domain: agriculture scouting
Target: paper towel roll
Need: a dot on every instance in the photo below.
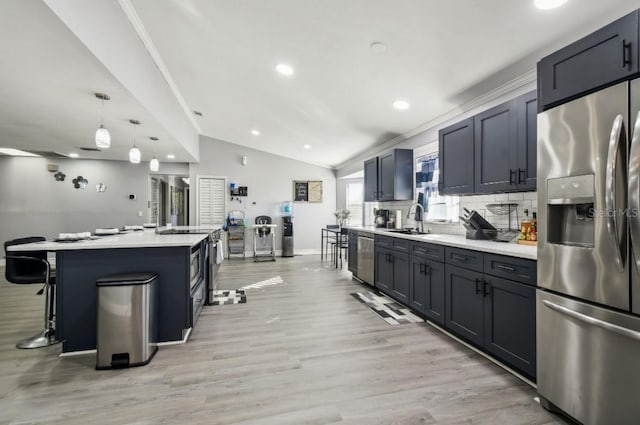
(398, 219)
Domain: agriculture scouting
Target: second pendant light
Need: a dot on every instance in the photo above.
(134, 153)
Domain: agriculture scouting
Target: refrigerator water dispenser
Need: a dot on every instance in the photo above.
(571, 210)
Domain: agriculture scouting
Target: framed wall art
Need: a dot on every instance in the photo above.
(307, 191)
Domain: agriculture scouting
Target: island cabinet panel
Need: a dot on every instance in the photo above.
(464, 307)
(602, 58)
(76, 297)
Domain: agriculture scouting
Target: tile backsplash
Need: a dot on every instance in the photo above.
(524, 200)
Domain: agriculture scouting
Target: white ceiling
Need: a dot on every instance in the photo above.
(221, 55)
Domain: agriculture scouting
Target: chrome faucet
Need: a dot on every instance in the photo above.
(421, 221)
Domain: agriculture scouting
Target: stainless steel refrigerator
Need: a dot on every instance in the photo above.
(588, 303)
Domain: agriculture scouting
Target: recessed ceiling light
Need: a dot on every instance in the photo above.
(255, 132)
(284, 69)
(378, 47)
(15, 152)
(401, 105)
(307, 146)
(548, 4)
(171, 156)
(73, 155)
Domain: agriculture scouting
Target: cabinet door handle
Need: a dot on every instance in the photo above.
(485, 284)
(506, 268)
(477, 286)
(626, 53)
(521, 176)
(421, 265)
(459, 258)
(512, 176)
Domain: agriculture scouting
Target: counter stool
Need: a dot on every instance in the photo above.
(32, 267)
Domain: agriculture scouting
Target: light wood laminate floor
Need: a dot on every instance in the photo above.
(299, 352)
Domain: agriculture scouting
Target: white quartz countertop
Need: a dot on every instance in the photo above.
(132, 239)
(459, 241)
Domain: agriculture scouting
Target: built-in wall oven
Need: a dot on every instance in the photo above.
(197, 284)
(196, 266)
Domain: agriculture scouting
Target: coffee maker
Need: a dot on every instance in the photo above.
(382, 218)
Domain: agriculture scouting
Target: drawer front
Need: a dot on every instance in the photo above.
(396, 244)
(472, 260)
(427, 250)
(383, 241)
(512, 268)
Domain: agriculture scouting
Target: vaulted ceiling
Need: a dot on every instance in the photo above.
(162, 59)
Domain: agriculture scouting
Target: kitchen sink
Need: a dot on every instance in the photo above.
(407, 232)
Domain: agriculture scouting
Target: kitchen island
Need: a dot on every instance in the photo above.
(180, 260)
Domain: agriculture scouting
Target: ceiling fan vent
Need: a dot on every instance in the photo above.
(90, 149)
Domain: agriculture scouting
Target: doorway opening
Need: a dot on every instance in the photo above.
(169, 200)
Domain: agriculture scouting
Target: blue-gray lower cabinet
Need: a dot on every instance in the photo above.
(392, 273)
(497, 315)
(426, 288)
(464, 308)
(510, 323)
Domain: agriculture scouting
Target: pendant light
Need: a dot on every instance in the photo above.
(134, 153)
(103, 138)
(154, 164)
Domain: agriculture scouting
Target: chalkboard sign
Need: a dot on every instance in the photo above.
(300, 191)
(307, 191)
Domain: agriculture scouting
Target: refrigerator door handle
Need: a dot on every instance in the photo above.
(593, 321)
(634, 192)
(610, 197)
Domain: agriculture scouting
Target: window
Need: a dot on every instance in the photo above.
(354, 202)
(437, 208)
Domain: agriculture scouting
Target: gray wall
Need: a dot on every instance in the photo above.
(34, 203)
(269, 179)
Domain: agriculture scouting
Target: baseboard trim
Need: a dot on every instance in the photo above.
(486, 356)
(187, 334)
(297, 252)
(78, 353)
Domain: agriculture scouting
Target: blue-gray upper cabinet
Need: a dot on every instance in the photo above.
(455, 145)
(602, 58)
(371, 180)
(496, 149)
(527, 109)
(491, 152)
(389, 177)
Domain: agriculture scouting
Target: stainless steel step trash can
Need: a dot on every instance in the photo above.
(127, 325)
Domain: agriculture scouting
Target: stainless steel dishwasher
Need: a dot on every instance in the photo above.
(365, 257)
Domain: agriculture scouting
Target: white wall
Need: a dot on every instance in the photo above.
(269, 179)
(34, 203)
